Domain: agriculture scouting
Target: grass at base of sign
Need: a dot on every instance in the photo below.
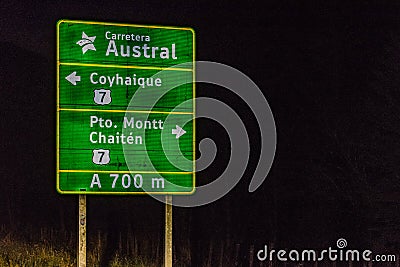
(16, 252)
(49, 247)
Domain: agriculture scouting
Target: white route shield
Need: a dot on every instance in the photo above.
(102, 96)
(101, 156)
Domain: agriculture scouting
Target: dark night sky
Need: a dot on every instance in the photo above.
(330, 72)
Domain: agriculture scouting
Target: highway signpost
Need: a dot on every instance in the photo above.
(107, 144)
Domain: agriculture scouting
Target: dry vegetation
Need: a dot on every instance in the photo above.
(18, 251)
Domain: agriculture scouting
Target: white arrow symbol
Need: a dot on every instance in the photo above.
(178, 131)
(73, 78)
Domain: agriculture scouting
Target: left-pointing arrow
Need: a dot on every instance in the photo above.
(73, 78)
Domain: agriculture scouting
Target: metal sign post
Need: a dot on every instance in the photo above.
(82, 231)
(168, 231)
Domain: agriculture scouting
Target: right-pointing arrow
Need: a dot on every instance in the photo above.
(73, 78)
(178, 131)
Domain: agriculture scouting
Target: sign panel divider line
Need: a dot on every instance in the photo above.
(125, 111)
(123, 66)
(99, 171)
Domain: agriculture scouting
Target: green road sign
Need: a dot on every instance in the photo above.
(125, 109)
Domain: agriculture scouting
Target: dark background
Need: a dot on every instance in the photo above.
(330, 72)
